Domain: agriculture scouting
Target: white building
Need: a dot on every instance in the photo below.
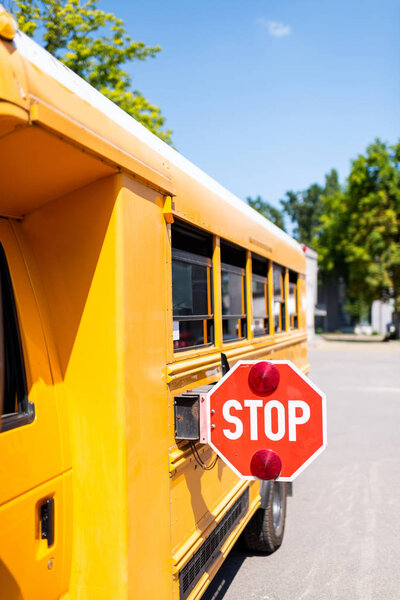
(382, 316)
(311, 288)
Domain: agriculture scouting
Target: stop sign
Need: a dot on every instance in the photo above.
(289, 419)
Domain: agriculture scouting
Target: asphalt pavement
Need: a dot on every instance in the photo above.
(342, 538)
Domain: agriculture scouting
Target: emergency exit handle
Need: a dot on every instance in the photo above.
(47, 521)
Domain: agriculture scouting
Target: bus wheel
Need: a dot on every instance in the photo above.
(264, 532)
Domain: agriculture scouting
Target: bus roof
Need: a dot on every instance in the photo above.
(49, 65)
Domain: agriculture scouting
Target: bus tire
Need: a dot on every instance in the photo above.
(264, 532)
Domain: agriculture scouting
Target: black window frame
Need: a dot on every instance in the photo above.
(279, 300)
(241, 318)
(208, 319)
(260, 273)
(294, 317)
(14, 368)
(265, 318)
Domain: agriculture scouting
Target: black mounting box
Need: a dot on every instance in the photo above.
(187, 416)
(187, 413)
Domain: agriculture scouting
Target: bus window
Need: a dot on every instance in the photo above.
(14, 408)
(193, 318)
(260, 295)
(279, 298)
(293, 301)
(233, 284)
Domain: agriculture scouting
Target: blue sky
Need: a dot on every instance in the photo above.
(267, 96)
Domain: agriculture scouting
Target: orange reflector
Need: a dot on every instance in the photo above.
(8, 25)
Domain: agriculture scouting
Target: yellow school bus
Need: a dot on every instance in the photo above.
(126, 272)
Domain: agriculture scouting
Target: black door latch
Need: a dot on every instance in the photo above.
(47, 521)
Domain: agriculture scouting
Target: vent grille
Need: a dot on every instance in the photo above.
(209, 551)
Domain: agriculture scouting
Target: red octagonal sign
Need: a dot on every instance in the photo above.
(265, 415)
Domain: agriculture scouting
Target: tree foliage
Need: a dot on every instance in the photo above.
(305, 208)
(96, 46)
(359, 235)
(355, 228)
(267, 210)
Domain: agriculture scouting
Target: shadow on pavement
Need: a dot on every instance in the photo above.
(223, 579)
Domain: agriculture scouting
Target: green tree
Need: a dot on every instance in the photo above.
(330, 238)
(360, 229)
(332, 185)
(96, 46)
(305, 208)
(268, 211)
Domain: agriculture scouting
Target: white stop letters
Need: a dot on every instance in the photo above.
(274, 418)
(232, 435)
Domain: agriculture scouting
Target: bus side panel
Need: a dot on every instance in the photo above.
(144, 231)
(75, 243)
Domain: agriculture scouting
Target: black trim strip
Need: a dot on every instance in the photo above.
(189, 257)
(210, 549)
(14, 420)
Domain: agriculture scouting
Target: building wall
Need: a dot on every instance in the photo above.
(382, 315)
(311, 288)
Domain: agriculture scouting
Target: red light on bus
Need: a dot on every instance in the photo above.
(266, 464)
(263, 378)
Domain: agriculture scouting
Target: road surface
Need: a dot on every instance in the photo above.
(342, 538)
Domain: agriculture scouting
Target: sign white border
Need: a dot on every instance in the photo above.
(307, 380)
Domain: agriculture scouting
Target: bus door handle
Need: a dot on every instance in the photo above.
(47, 521)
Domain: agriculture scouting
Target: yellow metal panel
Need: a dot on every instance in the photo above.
(13, 82)
(143, 234)
(36, 167)
(28, 568)
(99, 136)
(195, 492)
(77, 246)
(23, 449)
(216, 263)
(286, 288)
(31, 455)
(51, 349)
(168, 300)
(168, 209)
(249, 296)
(226, 547)
(271, 297)
(302, 299)
(64, 437)
(11, 118)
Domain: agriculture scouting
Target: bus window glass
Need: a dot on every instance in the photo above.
(14, 406)
(233, 283)
(193, 323)
(279, 298)
(293, 301)
(260, 296)
(189, 288)
(232, 300)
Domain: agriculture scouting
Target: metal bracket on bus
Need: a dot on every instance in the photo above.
(187, 407)
(190, 410)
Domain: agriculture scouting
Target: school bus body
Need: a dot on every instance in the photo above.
(87, 197)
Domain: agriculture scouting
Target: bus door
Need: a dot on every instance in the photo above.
(31, 480)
